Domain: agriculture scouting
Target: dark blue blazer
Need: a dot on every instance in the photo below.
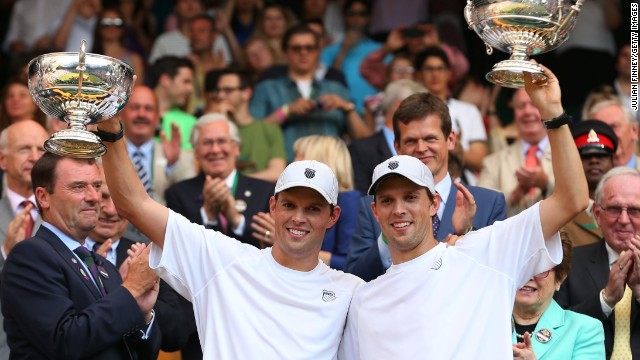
(336, 239)
(366, 154)
(186, 199)
(364, 260)
(51, 311)
(580, 292)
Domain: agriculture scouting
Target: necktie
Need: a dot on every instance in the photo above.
(88, 257)
(622, 331)
(137, 160)
(29, 230)
(530, 161)
(436, 224)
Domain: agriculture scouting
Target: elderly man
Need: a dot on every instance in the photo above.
(522, 171)
(604, 281)
(413, 311)
(60, 300)
(597, 143)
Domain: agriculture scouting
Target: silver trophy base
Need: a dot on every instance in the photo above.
(75, 143)
(510, 73)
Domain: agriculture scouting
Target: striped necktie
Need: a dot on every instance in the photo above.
(137, 160)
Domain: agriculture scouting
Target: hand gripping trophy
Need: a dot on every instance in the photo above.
(521, 28)
(80, 89)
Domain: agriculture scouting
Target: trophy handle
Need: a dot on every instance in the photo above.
(468, 15)
(575, 9)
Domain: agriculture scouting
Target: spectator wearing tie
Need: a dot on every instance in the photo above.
(523, 170)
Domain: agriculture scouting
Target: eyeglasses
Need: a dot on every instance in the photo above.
(220, 142)
(226, 90)
(434, 69)
(542, 275)
(111, 22)
(403, 70)
(356, 13)
(299, 48)
(615, 211)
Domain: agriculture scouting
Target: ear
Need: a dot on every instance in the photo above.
(435, 204)
(246, 94)
(451, 141)
(558, 283)
(335, 215)
(272, 205)
(165, 80)
(597, 213)
(3, 161)
(42, 196)
(634, 131)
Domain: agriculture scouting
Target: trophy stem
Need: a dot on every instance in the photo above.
(519, 52)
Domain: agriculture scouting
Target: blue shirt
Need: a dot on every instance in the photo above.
(271, 94)
(358, 86)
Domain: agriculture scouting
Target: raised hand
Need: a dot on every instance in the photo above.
(171, 148)
(17, 229)
(465, 210)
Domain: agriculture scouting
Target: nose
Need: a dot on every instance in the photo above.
(92, 194)
(421, 146)
(624, 217)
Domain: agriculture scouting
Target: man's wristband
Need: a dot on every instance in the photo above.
(556, 122)
(110, 137)
(283, 113)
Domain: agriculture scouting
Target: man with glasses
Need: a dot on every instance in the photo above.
(604, 281)
(262, 153)
(220, 197)
(301, 104)
(348, 54)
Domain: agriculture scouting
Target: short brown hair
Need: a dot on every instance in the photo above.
(563, 268)
(419, 106)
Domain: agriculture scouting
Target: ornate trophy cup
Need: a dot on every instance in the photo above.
(521, 28)
(80, 89)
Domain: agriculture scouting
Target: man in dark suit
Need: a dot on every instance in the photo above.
(423, 131)
(107, 238)
(54, 305)
(220, 197)
(604, 281)
(368, 152)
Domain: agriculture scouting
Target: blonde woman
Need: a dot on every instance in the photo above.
(332, 151)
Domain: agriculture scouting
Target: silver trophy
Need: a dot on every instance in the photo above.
(521, 28)
(80, 89)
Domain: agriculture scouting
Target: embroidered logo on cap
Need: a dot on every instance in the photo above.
(309, 173)
(593, 137)
(393, 165)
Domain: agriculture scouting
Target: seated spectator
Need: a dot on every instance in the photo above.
(176, 42)
(243, 18)
(367, 153)
(274, 21)
(413, 40)
(348, 54)
(332, 151)
(523, 171)
(17, 105)
(77, 24)
(597, 143)
(108, 39)
(301, 104)
(262, 153)
(607, 107)
(258, 56)
(401, 67)
(537, 319)
(434, 71)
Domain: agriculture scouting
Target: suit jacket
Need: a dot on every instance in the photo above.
(498, 173)
(583, 229)
(186, 198)
(573, 336)
(184, 169)
(121, 251)
(363, 259)
(366, 154)
(580, 292)
(51, 311)
(6, 216)
(177, 323)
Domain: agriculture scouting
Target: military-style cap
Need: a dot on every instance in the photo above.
(594, 137)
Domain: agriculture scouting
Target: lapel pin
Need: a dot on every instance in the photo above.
(543, 335)
(241, 205)
(247, 193)
(84, 274)
(73, 260)
(103, 272)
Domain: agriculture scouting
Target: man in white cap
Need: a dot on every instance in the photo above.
(275, 303)
(439, 302)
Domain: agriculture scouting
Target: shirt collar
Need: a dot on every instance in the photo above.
(146, 148)
(542, 146)
(612, 254)
(390, 137)
(231, 179)
(16, 199)
(70, 243)
(443, 187)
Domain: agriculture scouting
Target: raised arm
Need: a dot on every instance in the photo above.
(128, 193)
(571, 194)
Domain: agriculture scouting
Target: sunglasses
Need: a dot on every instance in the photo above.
(111, 22)
(299, 48)
(542, 275)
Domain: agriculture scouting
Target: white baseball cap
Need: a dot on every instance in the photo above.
(404, 165)
(311, 174)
